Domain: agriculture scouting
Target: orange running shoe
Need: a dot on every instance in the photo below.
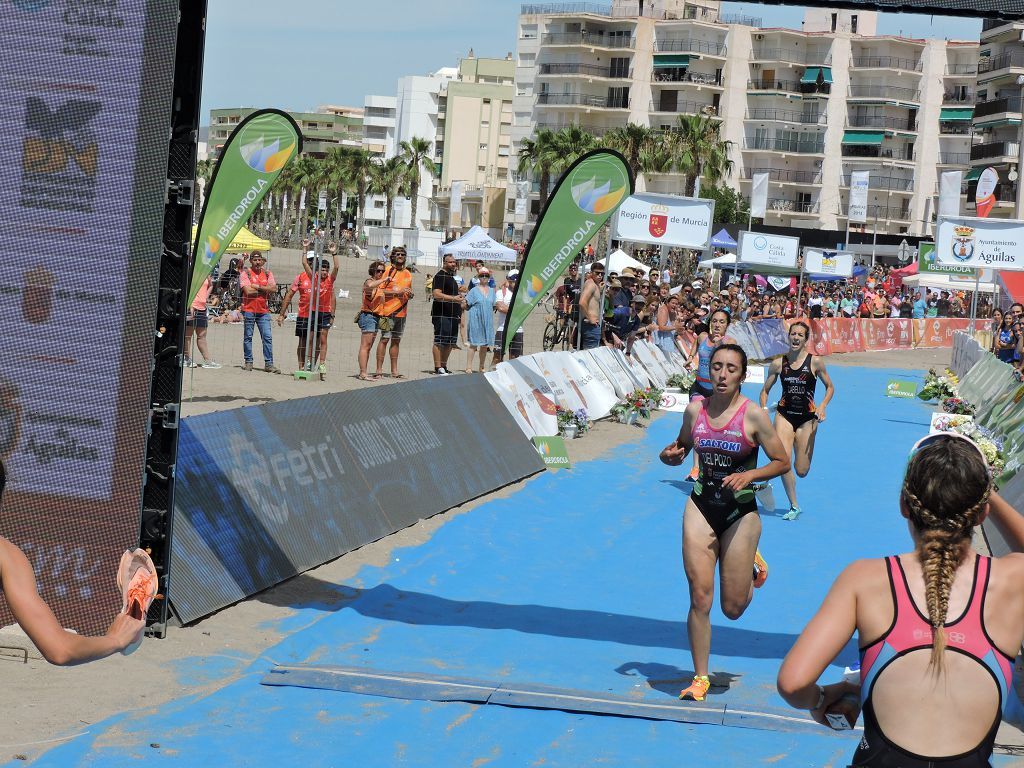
(138, 582)
(698, 689)
(760, 570)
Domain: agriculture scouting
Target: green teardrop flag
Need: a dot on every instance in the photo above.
(583, 200)
(252, 159)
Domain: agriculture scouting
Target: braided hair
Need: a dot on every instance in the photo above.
(945, 492)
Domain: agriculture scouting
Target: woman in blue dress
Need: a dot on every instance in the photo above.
(480, 320)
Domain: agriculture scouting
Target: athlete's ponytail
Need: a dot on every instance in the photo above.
(944, 494)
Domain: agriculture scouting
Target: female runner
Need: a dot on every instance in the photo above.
(797, 417)
(720, 523)
(703, 348)
(938, 627)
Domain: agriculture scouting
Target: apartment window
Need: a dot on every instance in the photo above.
(835, 20)
(527, 59)
(483, 146)
(528, 32)
(619, 67)
(487, 101)
(481, 168)
(853, 24)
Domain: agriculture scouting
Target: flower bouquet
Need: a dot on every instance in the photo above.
(653, 395)
(681, 381)
(636, 404)
(989, 442)
(572, 424)
(957, 405)
(938, 387)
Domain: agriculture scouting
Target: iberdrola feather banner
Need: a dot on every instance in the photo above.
(586, 196)
(251, 160)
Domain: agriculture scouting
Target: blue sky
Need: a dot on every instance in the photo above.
(299, 54)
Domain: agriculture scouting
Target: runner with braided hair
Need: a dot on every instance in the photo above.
(938, 627)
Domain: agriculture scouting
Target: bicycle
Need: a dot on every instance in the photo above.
(558, 331)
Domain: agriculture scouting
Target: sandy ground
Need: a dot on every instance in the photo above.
(56, 704)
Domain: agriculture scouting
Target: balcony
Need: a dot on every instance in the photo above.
(883, 183)
(534, 9)
(786, 116)
(783, 176)
(959, 96)
(887, 92)
(582, 100)
(786, 86)
(954, 158)
(680, 75)
(996, 106)
(1002, 61)
(586, 70)
(687, 45)
(882, 121)
(874, 152)
(781, 205)
(587, 39)
(956, 70)
(736, 18)
(1005, 193)
(594, 130)
(682, 106)
(798, 146)
(957, 128)
(817, 58)
(995, 149)
(886, 62)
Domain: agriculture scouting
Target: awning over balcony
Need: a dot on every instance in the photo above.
(960, 114)
(826, 75)
(863, 137)
(974, 174)
(810, 75)
(671, 60)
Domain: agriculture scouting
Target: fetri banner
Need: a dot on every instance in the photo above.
(586, 196)
(251, 160)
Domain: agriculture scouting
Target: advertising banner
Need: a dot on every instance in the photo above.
(882, 334)
(976, 242)
(857, 212)
(590, 365)
(538, 399)
(252, 159)
(567, 392)
(927, 264)
(455, 204)
(744, 335)
(758, 195)
(772, 337)
(904, 389)
(937, 332)
(949, 192)
(820, 341)
(595, 397)
(552, 451)
(769, 250)
(844, 335)
(514, 401)
(642, 353)
(828, 263)
(678, 222)
(985, 193)
(586, 196)
(620, 380)
(269, 491)
(638, 376)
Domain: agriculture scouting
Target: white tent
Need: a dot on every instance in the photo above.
(728, 260)
(620, 260)
(944, 283)
(477, 245)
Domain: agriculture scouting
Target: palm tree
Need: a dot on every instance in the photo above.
(632, 141)
(570, 144)
(306, 174)
(415, 153)
(388, 178)
(700, 149)
(338, 180)
(537, 156)
(358, 165)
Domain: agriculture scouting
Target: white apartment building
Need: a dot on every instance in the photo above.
(998, 115)
(378, 140)
(808, 106)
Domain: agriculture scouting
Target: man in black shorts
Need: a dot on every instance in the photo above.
(445, 313)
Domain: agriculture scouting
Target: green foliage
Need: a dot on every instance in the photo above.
(730, 206)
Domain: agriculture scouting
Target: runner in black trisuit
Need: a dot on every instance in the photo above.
(797, 415)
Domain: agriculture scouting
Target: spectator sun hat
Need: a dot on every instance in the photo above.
(513, 274)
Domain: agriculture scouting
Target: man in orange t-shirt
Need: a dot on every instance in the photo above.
(396, 292)
(257, 283)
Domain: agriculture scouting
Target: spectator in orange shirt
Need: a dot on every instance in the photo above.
(257, 283)
(305, 285)
(196, 322)
(396, 293)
